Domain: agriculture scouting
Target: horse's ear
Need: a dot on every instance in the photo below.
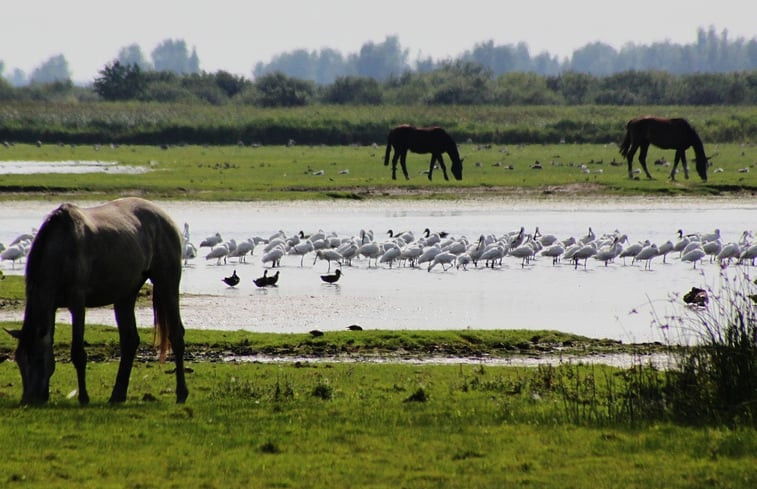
(16, 333)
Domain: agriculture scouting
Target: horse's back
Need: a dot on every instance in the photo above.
(102, 254)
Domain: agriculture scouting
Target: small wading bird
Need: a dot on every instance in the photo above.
(272, 281)
(330, 279)
(262, 281)
(696, 297)
(231, 280)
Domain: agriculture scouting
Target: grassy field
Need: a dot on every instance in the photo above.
(332, 425)
(357, 172)
(351, 425)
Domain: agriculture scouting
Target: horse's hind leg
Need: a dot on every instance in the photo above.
(394, 164)
(643, 159)
(129, 339)
(78, 354)
(404, 164)
(681, 155)
(629, 157)
(442, 165)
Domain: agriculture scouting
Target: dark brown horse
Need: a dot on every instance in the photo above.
(95, 257)
(674, 134)
(422, 140)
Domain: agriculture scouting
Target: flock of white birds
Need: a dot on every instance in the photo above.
(440, 249)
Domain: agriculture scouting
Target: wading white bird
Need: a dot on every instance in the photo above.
(329, 256)
(646, 255)
(693, 255)
(445, 259)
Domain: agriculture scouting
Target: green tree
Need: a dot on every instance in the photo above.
(279, 90)
(353, 90)
(120, 82)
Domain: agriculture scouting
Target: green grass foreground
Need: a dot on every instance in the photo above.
(357, 172)
(347, 425)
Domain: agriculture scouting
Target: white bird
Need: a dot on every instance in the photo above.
(273, 243)
(545, 240)
(633, 250)
(554, 251)
(749, 253)
(211, 241)
(274, 255)
(693, 255)
(607, 254)
(390, 255)
(664, 249)
(429, 253)
(712, 248)
(647, 254)
(329, 256)
(411, 253)
(463, 260)
(493, 254)
(525, 252)
(302, 248)
(348, 250)
(242, 249)
(13, 253)
(371, 250)
(729, 252)
(584, 252)
(190, 252)
(445, 259)
(589, 237)
(218, 251)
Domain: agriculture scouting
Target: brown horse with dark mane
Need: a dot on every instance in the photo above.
(423, 140)
(95, 257)
(674, 134)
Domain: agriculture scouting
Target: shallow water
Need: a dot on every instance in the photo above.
(69, 166)
(618, 301)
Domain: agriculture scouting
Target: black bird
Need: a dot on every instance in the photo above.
(696, 297)
(330, 279)
(262, 281)
(272, 280)
(315, 333)
(354, 327)
(232, 280)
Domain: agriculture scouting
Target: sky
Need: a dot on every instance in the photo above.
(234, 35)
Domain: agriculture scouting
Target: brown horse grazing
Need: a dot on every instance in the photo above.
(674, 134)
(422, 140)
(95, 257)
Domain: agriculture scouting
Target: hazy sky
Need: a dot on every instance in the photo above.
(233, 35)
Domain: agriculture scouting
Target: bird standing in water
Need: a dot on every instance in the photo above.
(232, 280)
(262, 281)
(330, 279)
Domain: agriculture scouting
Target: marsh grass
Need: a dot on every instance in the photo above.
(280, 172)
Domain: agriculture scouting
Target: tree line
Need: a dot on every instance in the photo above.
(453, 83)
(712, 52)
